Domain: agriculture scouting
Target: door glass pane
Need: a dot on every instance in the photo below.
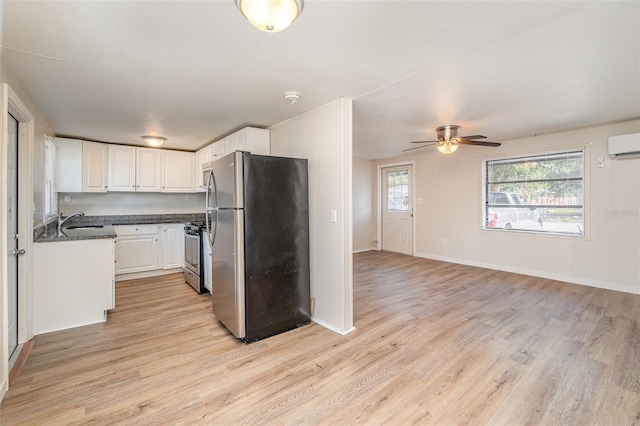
(398, 190)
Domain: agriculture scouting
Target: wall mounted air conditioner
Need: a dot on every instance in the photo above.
(624, 146)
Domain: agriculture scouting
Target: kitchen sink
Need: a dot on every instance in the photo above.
(83, 227)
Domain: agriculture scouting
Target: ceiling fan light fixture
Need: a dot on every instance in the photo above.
(153, 141)
(270, 16)
(447, 147)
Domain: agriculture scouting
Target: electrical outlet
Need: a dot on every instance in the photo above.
(67, 198)
(635, 264)
(187, 197)
(443, 242)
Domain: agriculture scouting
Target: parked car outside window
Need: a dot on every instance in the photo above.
(509, 210)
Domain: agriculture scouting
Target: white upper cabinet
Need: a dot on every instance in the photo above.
(202, 156)
(148, 170)
(178, 171)
(217, 150)
(69, 165)
(134, 169)
(251, 139)
(94, 167)
(254, 140)
(230, 143)
(122, 168)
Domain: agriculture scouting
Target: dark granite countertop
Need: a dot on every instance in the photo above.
(48, 232)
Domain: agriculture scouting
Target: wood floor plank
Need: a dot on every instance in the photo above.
(435, 343)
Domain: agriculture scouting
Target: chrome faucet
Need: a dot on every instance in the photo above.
(61, 221)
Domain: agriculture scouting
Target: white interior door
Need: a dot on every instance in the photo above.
(397, 209)
(12, 232)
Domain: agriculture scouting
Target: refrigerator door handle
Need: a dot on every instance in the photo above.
(210, 238)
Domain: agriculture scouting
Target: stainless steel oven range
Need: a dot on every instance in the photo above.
(193, 262)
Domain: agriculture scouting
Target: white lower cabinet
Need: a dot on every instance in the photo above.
(145, 248)
(136, 248)
(73, 283)
(172, 246)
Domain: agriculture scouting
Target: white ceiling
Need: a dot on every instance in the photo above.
(196, 71)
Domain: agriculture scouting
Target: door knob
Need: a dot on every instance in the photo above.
(19, 252)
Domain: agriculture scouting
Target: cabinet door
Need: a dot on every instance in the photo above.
(172, 246)
(122, 168)
(217, 150)
(257, 141)
(148, 170)
(230, 143)
(202, 156)
(136, 253)
(69, 165)
(94, 167)
(178, 171)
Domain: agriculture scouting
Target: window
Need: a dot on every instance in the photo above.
(50, 191)
(539, 193)
(398, 190)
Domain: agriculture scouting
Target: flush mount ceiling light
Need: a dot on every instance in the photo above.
(154, 141)
(270, 16)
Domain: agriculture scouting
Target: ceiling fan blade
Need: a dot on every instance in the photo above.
(479, 143)
(472, 137)
(417, 147)
(424, 142)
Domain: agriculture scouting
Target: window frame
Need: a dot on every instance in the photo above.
(50, 189)
(401, 186)
(585, 149)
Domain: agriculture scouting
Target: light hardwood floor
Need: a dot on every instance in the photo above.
(436, 343)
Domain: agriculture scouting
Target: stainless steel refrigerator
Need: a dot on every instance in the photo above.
(257, 218)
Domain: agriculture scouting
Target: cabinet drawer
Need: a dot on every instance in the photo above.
(135, 229)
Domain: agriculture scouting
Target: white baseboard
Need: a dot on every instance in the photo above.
(148, 274)
(332, 328)
(363, 250)
(5, 387)
(534, 273)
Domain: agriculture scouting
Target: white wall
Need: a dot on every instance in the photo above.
(31, 203)
(41, 127)
(362, 205)
(607, 257)
(323, 136)
(123, 203)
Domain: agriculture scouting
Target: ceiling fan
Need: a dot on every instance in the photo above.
(448, 140)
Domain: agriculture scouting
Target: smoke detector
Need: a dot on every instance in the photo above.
(291, 97)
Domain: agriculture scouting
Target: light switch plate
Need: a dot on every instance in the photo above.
(334, 216)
